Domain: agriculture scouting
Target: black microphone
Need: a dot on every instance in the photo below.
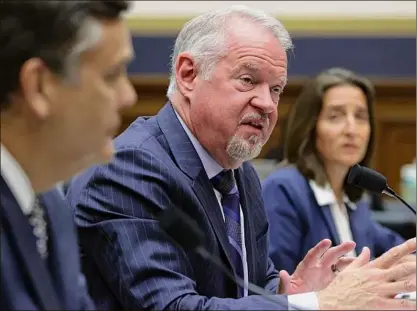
(368, 179)
(184, 230)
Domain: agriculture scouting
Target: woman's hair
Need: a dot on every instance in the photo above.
(300, 138)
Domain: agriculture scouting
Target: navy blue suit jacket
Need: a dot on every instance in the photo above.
(129, 262)
(298, 223)
(28, 282)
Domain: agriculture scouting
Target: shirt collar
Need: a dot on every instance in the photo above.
(17, 180)
(211, 166)
(325, 195)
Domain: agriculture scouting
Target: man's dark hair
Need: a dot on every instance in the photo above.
(44, 29)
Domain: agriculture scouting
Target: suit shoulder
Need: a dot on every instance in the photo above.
(248, 168)
(140, 151)
(286, 175)
(250, 173)
(142, 130)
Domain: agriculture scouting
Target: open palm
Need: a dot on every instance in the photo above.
(314, 272)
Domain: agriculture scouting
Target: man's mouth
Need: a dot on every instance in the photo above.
(258, 123)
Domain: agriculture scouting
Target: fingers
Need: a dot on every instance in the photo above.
(344, 262)
(285, 280)
(410, 277)
(409, 258)
(400, 271)
(314, 254)
(394, 254)
(361, 260)
(397, 304)
(393, 288)
(333, 254)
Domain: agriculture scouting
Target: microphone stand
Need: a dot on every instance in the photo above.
(390, 192)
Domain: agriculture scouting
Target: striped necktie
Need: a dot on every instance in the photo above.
(225, 183)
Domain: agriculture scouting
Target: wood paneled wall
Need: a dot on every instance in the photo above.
(395, 113)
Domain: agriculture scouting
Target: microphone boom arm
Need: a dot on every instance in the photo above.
(390, 192)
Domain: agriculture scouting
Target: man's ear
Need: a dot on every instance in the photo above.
(186, 73)
(32, 82)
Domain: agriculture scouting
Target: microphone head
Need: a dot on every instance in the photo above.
(367, 179)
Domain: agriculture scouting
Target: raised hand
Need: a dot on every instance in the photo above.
(314, 272)
(372, 285)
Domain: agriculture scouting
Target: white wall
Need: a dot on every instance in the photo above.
(320, 9)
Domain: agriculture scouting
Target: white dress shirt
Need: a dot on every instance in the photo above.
(307, 301)
(325, 198)
(17, 180)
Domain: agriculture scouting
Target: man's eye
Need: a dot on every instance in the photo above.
(277, 90)
(111, 77)
(247, 80)
(115, 74)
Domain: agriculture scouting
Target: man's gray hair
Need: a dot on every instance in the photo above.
(204, 38)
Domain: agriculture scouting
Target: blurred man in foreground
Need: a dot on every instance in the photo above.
(229, 68)
(63, 83)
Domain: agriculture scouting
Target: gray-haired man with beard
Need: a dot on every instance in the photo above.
(229, 68)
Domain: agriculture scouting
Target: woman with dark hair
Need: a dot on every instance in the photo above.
(329, 129)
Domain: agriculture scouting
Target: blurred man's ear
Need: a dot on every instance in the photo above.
(32, 85)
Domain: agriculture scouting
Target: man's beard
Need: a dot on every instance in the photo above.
(244, 149)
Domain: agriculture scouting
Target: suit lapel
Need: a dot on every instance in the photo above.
(324, 211)
(24, 240)
(328, 219)
(203, 189)
(182, 149)
(250, 242)
(357, 228)
(62, 254)
(190, 164)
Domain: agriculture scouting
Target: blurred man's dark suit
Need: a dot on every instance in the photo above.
(29, 282)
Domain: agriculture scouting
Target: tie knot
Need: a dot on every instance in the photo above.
(224, 182)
